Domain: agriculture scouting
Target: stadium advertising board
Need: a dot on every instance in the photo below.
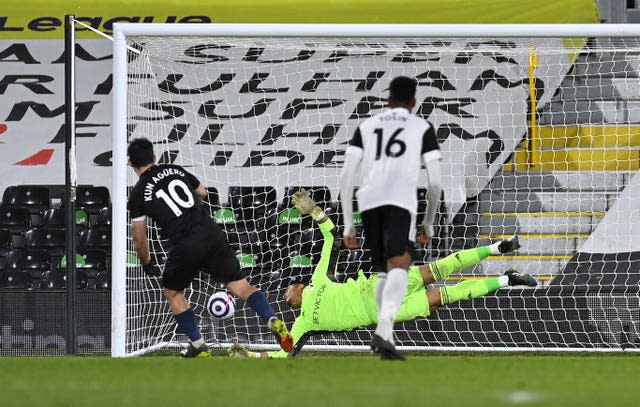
(46, 19)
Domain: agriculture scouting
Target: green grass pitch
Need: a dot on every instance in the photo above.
(324, 380)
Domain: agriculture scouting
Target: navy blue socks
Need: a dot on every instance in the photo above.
(258, 302)
(187, 323)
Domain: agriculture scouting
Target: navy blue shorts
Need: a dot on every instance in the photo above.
(205, 249)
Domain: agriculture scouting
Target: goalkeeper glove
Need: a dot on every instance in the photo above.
(151, 269)
(306, 205)
(303, 202)
(240, 351)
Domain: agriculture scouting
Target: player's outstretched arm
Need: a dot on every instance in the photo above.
(307, 206)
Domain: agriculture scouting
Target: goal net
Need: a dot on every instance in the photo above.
(539, 137)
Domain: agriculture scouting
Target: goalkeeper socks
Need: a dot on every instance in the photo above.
(258, 302)
(469, 289)
(382, 279)
(441, 269)
(187, 323)
(392, 295)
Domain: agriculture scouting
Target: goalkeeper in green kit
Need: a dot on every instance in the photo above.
(329, 306)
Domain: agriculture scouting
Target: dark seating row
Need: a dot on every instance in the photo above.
(36, 202)
(39, 269)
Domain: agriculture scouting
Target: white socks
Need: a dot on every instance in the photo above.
(503, 280)
(392, 295)
(382, 280)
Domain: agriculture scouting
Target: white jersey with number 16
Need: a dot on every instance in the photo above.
(394, 143)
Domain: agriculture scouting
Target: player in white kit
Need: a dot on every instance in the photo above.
(389, 149)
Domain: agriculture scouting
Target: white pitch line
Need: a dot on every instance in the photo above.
(522, 397)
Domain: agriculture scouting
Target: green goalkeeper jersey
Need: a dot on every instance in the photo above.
(331, 306)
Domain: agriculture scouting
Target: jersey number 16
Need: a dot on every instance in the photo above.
(402, 147)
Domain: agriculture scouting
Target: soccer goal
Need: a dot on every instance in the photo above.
(539, 126)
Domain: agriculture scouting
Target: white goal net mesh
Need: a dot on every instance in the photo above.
(256, 118)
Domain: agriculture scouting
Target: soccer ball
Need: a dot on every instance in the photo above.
(221, 305)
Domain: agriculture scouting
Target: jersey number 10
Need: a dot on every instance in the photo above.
(402, 147)
(173, 200)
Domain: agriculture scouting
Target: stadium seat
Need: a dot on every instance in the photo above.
(94, 268)
(297, 268)
(104, 217)
(252, 205)
(14, 279)
(51, 240)
(356, 217)
(212, 200)
(13, 274)
(59, 274)
(38, 264)
(54, 218)
(276, 252)
(97, 238)
(249, 267)
(311, 241)
(6, 241)
(92, 199)
(422, 205)
(16, 220)
(350, 262)
(34, 199)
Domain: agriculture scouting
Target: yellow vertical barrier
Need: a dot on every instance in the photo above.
(534, 137)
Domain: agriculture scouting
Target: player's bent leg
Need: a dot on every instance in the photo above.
(241, 288)
(470, 289)
(176, 300)
(254, 298)
(433, 296)
(257, 301)
(441, 269)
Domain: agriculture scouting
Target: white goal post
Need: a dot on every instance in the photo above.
(540, 131)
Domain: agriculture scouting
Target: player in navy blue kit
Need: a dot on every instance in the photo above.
(389, 149)
(171, 197)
